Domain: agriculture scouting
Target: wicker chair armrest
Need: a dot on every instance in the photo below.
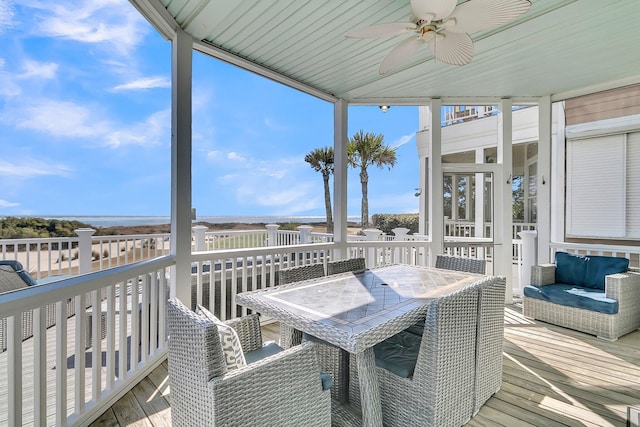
(624, 288)
(291, 376)
(248, 330)
(543, 274)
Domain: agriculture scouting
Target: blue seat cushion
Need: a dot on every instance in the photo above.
(573, 296)
(416, 329)
(587, 270)
(399, 353)
(600, 266)
(570, 268)
(271, 348)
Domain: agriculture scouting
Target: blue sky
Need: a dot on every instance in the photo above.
(85, 121)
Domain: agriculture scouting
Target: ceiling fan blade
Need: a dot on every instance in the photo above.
(382, 30)
(452, 48)
(478, 15)
(401, 54)
(432, 9)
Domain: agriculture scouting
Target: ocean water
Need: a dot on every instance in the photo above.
(111, 221)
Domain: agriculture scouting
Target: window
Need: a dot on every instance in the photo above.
(603, 186)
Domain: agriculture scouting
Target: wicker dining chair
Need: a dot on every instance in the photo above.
(344, 265)
(282, 389)
(289, 336)
(438, 390)
(468, 265)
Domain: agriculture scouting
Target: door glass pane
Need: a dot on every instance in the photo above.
(464, 202)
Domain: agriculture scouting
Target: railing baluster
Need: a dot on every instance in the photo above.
(153, 304)
(40, 366)
(111, 332)
(14, 368)
(61, 363)
(135, 324)
(96, 345)
(144, 318)
(79, 354)
(125, 289)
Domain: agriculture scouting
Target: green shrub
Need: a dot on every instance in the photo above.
(387, 222)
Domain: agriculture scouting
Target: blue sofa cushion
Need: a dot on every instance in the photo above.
(570, 269)
(269, 349)
(588, 271)
(573, 296)
(600, 266)
(399, 353)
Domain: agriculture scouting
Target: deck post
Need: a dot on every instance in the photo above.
(340, 140)
(305, 231)
(84, 249)
(435, 193)
(200, 237)
(181, 117)
(271, 234)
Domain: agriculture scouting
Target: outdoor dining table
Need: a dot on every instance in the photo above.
(354, 311)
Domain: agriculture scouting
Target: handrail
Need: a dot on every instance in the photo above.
(31, 297)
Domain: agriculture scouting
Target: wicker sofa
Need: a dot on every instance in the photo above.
(592, 294)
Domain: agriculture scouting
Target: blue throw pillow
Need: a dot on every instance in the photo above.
(600, 266)
(570, 269)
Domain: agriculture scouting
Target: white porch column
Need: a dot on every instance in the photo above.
(305, 230)
(503, 264)
(340, 139)
(199, 235)
(529, 256)
(543, 220)
(181, 56)
(271, 234)
(558, 174)
(479, 230)
(435, 230)
(84, 249)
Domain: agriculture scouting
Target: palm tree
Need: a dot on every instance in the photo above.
(321, 160)
(364, 150)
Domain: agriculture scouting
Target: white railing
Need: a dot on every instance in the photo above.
(42, 257)
(64, 256)
(632, 253)
(223, 240)
(92, 338)
(114, 251)
(245, 269)
(455, 114)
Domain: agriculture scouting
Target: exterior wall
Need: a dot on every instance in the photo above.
(610, 104)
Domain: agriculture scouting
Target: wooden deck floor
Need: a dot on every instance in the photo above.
(552, 377)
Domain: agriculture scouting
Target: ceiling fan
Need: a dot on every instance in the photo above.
(444, 26)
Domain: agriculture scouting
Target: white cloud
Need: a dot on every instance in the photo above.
(276, 184)
(39, 70)
(273, 126)
(6, 14)
(402, 140)
(8, 87)
(232, 155)
(144, 83)
(60, 118)
(149, 132)
(65, 119)
(6, 204)
(30, 168)
(111, 22)
(213, 154)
